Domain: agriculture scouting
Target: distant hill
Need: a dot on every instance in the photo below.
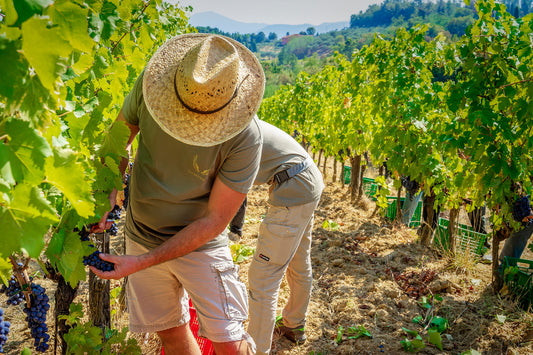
(225, 24)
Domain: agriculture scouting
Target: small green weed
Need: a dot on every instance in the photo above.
(241, 252)
(432, 326)
(330, 225)
(353, 332)
(84, 338)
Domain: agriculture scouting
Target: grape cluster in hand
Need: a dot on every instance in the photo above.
(4, 330)
(36, 317)
(94, 259)
(521, 208)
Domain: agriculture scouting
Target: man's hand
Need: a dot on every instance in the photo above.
(104, 224)
(124, 266)
(527, 219)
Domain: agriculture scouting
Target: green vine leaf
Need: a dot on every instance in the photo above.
(65, 173)
(44, 47)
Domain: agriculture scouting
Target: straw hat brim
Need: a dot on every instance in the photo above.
(196, 128)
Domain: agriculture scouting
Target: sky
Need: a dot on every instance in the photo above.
(286, 12)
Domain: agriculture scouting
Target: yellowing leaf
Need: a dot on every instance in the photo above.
(43, 47)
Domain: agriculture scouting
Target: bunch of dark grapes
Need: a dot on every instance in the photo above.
(4, 330)
(127, 188)
(410, 186)
(521, 208)
(13, 292)
(36, 317)
(94, 259)
(386, 171)
(115, 213)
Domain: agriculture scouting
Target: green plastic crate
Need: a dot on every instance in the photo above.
(517, 275)
(369, 186)
(416, 220)
(347, 174)
(466, 238)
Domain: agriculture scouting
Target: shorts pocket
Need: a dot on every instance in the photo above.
(233, 292)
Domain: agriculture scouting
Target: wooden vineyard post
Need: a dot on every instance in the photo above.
(361, 185)
(99, 298)
(427, 223)
(64, 296)
(355, 177)
(454, 213)
(497, 237)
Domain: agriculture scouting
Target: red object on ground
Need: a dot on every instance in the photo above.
(206, 347)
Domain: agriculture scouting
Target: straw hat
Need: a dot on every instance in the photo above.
(203, 89)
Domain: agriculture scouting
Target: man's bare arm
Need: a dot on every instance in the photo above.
(102, 225)
(223, 204)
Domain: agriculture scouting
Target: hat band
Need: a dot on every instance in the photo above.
(211, 111)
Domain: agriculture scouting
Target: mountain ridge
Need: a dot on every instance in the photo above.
(226, 24)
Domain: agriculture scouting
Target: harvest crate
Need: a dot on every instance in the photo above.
(466, 239)
(369, 186)
(416, 220)
(347, 173)
(517, 275)
(206, 346)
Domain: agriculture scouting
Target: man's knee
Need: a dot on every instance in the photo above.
(175, 332)
(241, 347)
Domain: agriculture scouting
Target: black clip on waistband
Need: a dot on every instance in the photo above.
(282, 176)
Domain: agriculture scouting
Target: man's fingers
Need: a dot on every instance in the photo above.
(107, 257)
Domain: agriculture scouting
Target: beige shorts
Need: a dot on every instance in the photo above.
(158, 296)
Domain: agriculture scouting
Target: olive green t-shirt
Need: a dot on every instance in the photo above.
(171, 181)
(280, 152)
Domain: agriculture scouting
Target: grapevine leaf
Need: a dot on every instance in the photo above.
(28, 8)
(68, 176)
(26, 351)
(5, 270)
(43, 47)
(8, 9)
(25, 221)
(71, 261)
(55, 247)
(11, 69)
(115, 141)
(73, 20)
(35, 99)
(7, 170)
(28, 151)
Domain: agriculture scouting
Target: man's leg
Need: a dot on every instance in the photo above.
(280, 236)
(514, 246)
(409, 206)
(212, 281)
(300, 281)
(179, 340)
